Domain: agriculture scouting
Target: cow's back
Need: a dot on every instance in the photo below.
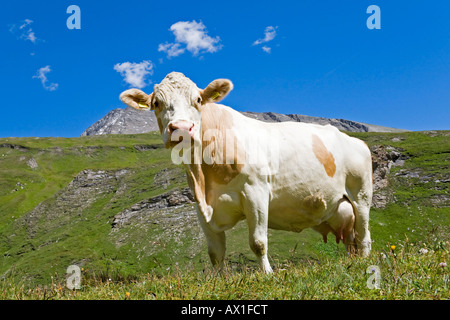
(306, 167)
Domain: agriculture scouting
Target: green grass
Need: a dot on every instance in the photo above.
(33, 265)
(60, 159)
(407, 272)
(68, 239)
(412, 214)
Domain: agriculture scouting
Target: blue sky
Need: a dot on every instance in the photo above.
(315, 58)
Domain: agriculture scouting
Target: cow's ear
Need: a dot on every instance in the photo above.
(137, 99)
(216, 90)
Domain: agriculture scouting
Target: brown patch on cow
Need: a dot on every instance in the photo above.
(201, 177)
(231, 161)
(324, 156)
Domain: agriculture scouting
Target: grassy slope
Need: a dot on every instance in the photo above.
(404, 274)
(60, 160)
(411, 218)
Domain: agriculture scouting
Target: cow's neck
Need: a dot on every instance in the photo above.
(202, 176)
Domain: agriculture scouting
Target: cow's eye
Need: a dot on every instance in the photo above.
(199, 100)
(156, 104)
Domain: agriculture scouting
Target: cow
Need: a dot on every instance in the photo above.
(286, 176)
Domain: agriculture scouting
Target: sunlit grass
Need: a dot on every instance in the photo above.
(407, 271)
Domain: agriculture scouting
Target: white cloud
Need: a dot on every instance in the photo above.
(172, 49)
(41, 74)
(191, 36)
(267, 49)
(135, 74)
(269, 34)
(24, 30)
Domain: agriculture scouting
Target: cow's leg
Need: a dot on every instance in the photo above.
(216, 248)
(363, 241)
(215, 241)
(258, 240)
(360, 195)
(362, 205)
(256, 207)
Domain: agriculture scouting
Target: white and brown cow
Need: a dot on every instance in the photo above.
(287, 176)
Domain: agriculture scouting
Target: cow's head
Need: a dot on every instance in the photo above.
(178, 102)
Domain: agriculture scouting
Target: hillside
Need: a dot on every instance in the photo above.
(116, 206)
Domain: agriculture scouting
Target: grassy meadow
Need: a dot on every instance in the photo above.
(43, 231)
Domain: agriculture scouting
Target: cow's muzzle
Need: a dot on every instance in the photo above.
(182, 125)
(180, 131)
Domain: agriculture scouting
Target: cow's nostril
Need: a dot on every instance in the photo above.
(181, 125)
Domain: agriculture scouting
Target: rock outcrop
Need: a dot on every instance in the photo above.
(143, 209)
(383, 158)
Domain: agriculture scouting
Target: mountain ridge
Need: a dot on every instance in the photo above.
(131, 121)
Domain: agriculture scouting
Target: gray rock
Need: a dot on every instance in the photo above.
(383, 158)
(142, 209)
(32, 163)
